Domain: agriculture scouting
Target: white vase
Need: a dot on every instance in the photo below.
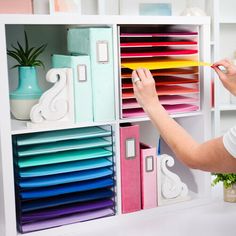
(230, 194)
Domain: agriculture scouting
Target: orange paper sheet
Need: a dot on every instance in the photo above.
(153, 64)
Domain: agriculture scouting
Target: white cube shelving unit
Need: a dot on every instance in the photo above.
(197, 123)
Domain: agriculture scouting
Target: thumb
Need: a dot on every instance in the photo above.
(221, 74)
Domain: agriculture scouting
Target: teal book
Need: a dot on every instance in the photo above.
(83, 102)
(97, 43)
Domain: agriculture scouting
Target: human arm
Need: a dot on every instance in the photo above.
(209, 156)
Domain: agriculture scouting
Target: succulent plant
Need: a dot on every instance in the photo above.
(27, 56)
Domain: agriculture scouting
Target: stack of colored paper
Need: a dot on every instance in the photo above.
(173, 58)
(63, 177)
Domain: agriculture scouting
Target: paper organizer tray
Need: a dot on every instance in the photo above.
(63, 177)
(172, 55)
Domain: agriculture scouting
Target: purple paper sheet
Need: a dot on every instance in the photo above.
(66, 210)
(66, 220)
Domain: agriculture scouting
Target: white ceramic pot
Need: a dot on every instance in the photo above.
(20, 109)
(230, 194)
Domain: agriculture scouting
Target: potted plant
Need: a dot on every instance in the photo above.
(28, 91)
(229, 183)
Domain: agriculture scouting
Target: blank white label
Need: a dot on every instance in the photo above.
(149, 163)
(102, 51)
(82, 75)
(130, 148)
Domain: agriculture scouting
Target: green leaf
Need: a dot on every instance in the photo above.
(36, 53)
(26, 45)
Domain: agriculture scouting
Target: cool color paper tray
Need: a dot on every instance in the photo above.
(158, 44)
(158, 53)
(160, 64)
(61, 157)
(80, 217)
(62, 146)
(66, 199)
(64, 168)
(67, 188)
(60, 135)
(64, 178)
(65, 210)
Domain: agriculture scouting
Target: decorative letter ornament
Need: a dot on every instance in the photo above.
(56, 105)
(170, 187)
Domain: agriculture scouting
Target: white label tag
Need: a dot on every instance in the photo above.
(149, 163)
(82, 73)
(130, 149)
(102, 52)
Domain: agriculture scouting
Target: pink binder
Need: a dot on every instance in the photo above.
(130, 168)
(16, 6)
(148, 176)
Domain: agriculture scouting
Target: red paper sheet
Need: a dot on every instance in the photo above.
(164, 81)
(160, 53)
(171, 109)
(170, 34)
(157, 44)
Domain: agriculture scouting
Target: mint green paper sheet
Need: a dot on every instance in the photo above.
(61, 157)
(60, 135)
(64, 168)
(62, 146)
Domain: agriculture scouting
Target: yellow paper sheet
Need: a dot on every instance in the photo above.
(153, 64)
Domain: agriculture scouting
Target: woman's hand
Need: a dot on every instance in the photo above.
(144, 88)
(228, 78)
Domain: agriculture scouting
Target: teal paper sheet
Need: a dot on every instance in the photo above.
(60, 135)
(66, 199)
(64, 168)
(61, 157)
(46, 181)
(62, 146)
(67, 188)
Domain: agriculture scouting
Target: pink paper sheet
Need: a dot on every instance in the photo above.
(165, 100)
(157, 44)
(171, 109)
(170, 34)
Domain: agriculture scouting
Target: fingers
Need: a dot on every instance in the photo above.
(226, 63)
(137, 83)
(220, 73)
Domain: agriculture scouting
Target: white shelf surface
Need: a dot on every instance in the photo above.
(19, 127)
(228, 20)
(227, 107)
(100, 19)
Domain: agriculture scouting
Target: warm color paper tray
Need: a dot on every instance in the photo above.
(45, 181)
(153, 64)
(167, 34)
(158, 44)
(158, 53)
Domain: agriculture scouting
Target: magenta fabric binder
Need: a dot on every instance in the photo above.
(148, 176)
(130, 168)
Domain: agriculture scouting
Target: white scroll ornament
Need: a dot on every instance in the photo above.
(56, 105)
(170, 187)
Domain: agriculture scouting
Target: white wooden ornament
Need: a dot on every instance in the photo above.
(170, 187)
(56, 105)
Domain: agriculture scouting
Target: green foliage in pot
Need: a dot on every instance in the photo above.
(227, 179)
(27, 56)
